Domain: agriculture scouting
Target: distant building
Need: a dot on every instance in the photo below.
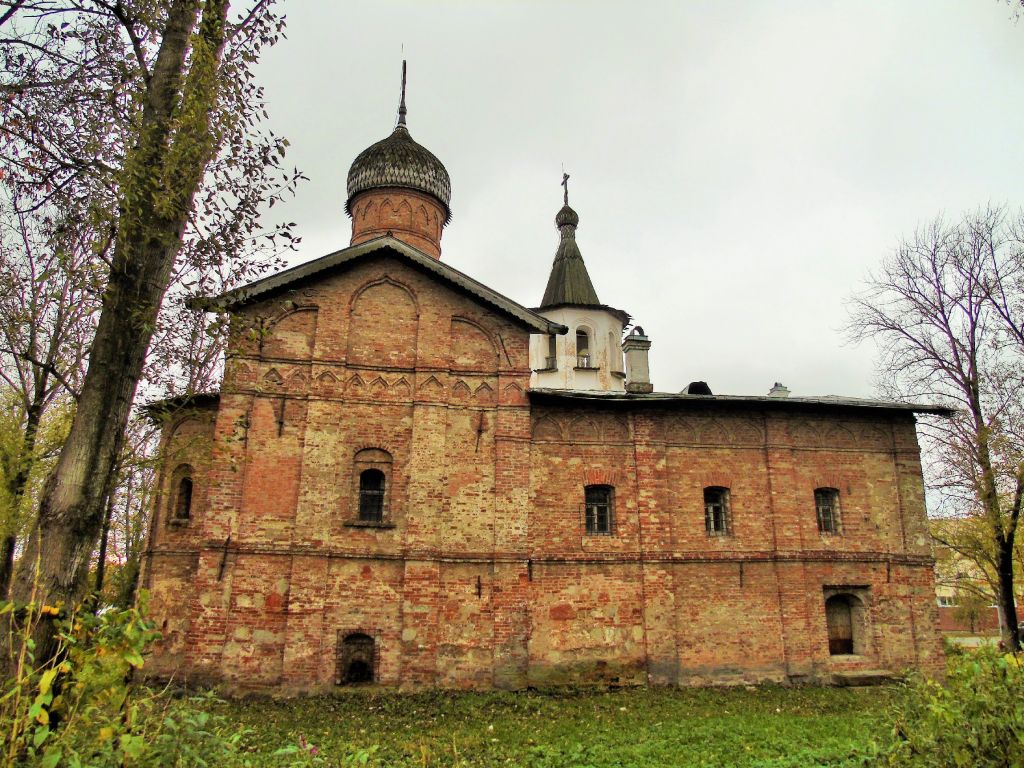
(410, 479)
(967, 605)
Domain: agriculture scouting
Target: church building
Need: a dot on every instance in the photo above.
(409, 479)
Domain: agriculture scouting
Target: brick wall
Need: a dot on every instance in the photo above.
(481, 573)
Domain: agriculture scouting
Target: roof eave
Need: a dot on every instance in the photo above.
(158, 410)
(671, 399)
(268, 286)
(621, 314)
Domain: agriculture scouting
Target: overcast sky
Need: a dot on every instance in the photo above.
(738, 167)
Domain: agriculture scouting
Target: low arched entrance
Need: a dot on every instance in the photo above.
(356, 657)
(839, 616)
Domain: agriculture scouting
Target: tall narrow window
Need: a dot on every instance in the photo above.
(371, 496)
(183, 501)
(598, 509)
(582, 349)
(826, 502)
(372, 489)
(551, 361)
(716, 511)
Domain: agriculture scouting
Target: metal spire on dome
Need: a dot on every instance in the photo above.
(401, 105)
(398, 161)
(569, 282)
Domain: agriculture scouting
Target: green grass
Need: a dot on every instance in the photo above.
(765, 726)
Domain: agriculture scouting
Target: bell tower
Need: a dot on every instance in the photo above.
(589, 356)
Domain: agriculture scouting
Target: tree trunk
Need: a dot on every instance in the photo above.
(129, 583)
(101, 558)
(159, 180)
(7, 564)
(1007, 603)
(17, 487)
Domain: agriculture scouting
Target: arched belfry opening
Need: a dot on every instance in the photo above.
(356, 659)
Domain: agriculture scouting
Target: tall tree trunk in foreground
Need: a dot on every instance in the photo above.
(161, 175)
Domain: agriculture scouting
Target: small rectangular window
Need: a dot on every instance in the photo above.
(826, 502)
(716, 511)
(599, 510)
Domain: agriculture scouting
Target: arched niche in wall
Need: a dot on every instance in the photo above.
(846, 621)
(399, 216)
(291, 335)
(472, 348)
(383, 325)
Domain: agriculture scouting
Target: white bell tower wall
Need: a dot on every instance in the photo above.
(588, 357)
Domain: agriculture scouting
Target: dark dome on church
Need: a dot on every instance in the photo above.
(398, 161)
(567, 216)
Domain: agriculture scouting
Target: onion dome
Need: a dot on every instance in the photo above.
(398, 161)
(569, 281)
(567, 216)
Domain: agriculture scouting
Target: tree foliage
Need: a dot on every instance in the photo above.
(946, 312)
(139, 121)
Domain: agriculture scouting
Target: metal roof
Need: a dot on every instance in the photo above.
(391, 245)
(671, 399)
(398, 161)
(569, 282)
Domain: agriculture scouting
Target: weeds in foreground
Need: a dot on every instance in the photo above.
(975, 719)
(81, 708)
(84, 709)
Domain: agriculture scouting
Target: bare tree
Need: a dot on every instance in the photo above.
(942, 338)
(48, 299)
(164, 112)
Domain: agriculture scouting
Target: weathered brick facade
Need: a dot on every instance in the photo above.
(480, 572)
(377, 493)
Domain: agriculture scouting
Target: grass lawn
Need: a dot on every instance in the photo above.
(763, 726)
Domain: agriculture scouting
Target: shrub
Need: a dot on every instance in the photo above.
(952, 648)
(82, 708)
(975, 720)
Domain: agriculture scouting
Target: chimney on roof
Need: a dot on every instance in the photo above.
(638, 374)
(779, 390)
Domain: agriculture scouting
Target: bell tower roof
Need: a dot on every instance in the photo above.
(569, 283)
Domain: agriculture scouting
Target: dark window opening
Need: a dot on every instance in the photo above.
(598, 503)
(826, 502)
(716, 511)
(371, 495)
(183, 503)
(355, 659)
(551, 361)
